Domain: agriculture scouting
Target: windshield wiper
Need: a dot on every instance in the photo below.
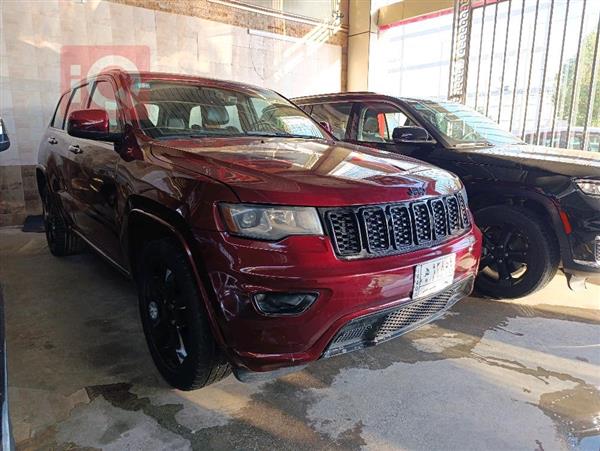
(473, 144)
(193, 135)
(279, 135)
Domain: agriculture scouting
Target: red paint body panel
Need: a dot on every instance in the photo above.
(347, 289)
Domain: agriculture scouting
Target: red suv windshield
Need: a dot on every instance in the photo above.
(171, 109)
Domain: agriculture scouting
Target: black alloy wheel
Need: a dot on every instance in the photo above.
(166, 315)
(59, 236)
(519, 256)
(174, 318)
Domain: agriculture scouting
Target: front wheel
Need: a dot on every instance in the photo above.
(175, 320)
(520, 254)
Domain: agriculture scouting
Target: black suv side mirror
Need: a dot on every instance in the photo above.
(4, 141)
(410, 135)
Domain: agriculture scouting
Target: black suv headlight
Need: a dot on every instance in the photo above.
(588, 186)
(271, 223)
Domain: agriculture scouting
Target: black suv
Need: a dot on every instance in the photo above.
(538, 207)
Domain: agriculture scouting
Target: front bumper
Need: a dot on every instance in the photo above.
(580, 248)
(237, 268)
(370, 330)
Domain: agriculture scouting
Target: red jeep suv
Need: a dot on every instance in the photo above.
(256, 241)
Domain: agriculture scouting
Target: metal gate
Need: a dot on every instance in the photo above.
(532, 66)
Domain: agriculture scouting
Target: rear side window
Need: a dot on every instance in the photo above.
(335, 114)
(61, 111)
(104, 98)
(378, 121)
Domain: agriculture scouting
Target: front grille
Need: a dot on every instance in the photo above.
(387, 229)
(372, 329)
(411, 314)
(597, 249)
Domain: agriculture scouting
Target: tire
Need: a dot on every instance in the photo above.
(520, 254)
(61, 239)
(175, 320)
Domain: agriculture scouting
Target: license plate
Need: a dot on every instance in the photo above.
(433, 276)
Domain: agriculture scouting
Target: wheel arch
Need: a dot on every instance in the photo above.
(147, 219)
(41, 178)
(540, 204)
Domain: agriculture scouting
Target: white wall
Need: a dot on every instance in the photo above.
(413, 59)
(32, 34)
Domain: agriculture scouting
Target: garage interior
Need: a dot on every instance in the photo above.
(499, 374)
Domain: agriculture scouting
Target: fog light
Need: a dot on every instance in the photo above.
(274, 303)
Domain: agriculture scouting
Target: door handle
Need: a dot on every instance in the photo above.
(52, 140)
(75, 149)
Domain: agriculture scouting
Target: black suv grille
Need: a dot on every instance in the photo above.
(387, 229)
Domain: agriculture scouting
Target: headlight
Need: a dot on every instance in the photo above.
(589, 186)
(270, 223)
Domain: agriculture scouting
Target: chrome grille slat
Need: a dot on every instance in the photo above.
(372, 231)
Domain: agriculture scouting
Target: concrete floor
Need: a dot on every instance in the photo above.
(489, 375)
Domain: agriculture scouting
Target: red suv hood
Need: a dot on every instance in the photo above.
(306, 172)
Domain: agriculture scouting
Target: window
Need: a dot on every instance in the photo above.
(336, 115)
(171, 109)
(195, 117)
(322, 10)
(378, 121)
(461, 125)
(77, 101)
(103, 98)
(152, 112)
(61, 111)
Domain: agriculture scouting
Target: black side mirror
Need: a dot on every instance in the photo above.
(4, 141)
(410, 135)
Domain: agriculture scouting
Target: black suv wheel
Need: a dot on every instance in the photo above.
(174, 318)
(59, 236)
(520, 255)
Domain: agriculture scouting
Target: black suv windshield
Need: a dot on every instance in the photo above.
(183, 109)
(460, 125)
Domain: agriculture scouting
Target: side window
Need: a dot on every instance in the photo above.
(78, 101)
(61, 111)
(234, 117)
(335, 114)
(259, 105)
(103, 98)
(195, 117)
(152, 112)
(378, 121)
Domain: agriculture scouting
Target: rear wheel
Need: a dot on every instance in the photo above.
(520, 255)
(59, 236)
(174, 318)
